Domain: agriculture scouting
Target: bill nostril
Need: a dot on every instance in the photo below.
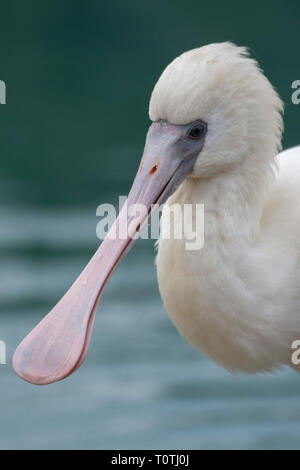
(153, 169)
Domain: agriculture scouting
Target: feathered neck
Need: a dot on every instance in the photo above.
(233, 200)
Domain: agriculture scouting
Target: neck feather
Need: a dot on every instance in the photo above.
(233, 201)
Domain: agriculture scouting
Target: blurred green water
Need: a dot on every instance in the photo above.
(142, 385)
(79, 77)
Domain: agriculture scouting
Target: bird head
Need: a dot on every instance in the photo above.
(220, 85)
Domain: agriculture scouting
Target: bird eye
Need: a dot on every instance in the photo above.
(197, 131)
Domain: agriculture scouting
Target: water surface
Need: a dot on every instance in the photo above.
(142, 385)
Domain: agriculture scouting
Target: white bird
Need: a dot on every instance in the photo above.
(215, 137)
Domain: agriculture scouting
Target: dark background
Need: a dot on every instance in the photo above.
(79, 75)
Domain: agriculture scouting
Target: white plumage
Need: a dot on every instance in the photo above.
(238, 298)
(214, 141)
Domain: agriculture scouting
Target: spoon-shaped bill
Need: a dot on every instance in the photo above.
(57, 346)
